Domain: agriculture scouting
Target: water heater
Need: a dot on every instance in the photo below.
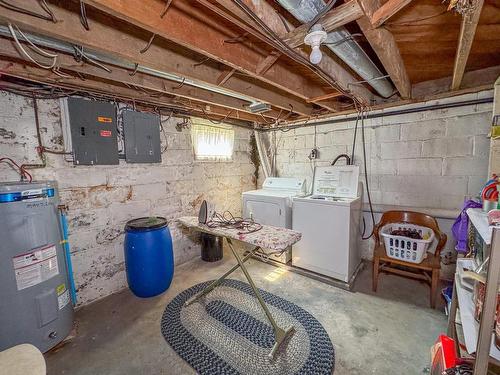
(35, 302)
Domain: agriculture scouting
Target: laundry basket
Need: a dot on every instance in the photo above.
(406, 248)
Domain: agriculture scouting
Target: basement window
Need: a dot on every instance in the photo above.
(211, 142)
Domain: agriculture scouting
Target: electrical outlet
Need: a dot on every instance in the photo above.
(314, 154)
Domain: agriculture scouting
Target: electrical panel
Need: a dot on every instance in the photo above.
(93, 132)
(141, 133)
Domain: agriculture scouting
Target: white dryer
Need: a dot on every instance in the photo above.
(272, 205)
(329, 221)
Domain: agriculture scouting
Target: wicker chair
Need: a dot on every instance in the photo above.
(427, 270)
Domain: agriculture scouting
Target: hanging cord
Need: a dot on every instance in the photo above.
(354, 138)
(83, 16)
(43, 4)
(228, 221)
(363, 141)
(37, 49)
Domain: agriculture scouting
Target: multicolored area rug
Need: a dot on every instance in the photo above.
(226, 332)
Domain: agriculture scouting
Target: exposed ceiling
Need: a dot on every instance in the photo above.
(214, 58)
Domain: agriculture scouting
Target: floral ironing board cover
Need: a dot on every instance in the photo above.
(273, 239)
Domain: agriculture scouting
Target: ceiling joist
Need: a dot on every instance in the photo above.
(386, 11)
(337, 17)
(119, 91)
(105, 37)
(467, 32)
(206, 36)
(386, 48)
(141, 81)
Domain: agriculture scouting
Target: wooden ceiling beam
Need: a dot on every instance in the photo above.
(337, 72)
(225, 75)
(140, 80)
(267, 63)
(465, 39)
(185, 25)
(386, 11)
(325, 97)
(106, 37)
(120, 91)
(337, 17)
(386, 48)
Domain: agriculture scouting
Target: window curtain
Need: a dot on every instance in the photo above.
(211, 142)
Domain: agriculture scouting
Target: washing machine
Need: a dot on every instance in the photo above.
(329, 221)
(272, 205)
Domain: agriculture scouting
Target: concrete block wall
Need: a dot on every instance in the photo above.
(102, 198)
(430, 159)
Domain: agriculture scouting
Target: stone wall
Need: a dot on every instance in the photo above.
(428, 160)
(102, 198)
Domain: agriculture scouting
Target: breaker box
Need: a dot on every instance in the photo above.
(141, 133)
(93, 131)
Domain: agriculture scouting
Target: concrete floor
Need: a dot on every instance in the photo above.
(389, 332)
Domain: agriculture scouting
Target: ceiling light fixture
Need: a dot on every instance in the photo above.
(314, 38)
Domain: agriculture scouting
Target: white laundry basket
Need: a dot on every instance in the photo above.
(406, 248)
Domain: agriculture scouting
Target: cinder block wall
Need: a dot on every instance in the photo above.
(429, 160)
(102, 198)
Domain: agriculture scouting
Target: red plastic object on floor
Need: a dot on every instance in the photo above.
(443, 355)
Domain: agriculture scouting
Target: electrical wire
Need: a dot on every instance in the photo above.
(226, 220)
(321, 13)
(20, 169)
(354, 138)
(145, 49)
(363, 141)
(280, 45)
(43, 4)
(165, 9)
(80, 55)
(25, 53)
(83, 16)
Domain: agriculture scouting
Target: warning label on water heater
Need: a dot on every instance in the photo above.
(35, 267)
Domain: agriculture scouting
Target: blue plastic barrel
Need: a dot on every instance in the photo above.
(149, 257)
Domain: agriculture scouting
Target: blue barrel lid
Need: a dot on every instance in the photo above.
(146, 223)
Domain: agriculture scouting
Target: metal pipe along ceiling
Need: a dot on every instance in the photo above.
(344, 46)
(64, 47)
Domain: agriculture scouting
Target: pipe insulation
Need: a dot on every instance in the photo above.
(342, 43)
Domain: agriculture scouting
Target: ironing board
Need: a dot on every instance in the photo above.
(269, 240)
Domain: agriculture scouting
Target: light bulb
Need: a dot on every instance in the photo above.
(316, 55)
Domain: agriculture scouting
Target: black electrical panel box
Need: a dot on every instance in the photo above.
(93, 132)
(141, 133)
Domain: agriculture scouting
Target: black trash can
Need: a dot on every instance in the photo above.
(211, 247)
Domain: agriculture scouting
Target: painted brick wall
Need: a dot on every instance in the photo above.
(428, 159)
(102, 198)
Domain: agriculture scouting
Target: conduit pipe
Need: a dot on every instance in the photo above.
(383, 113)
(264, 160)
(65, 47)
(343, 45)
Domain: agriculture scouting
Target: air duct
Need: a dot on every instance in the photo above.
(342, 43)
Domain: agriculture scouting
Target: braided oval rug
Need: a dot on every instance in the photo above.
(226, 332)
